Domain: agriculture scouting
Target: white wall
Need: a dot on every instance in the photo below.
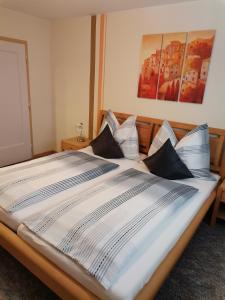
(123, 41)
(37, 32)
(71, 71)
(69, 65)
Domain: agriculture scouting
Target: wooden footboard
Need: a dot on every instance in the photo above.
(67, 288)
(58, 281)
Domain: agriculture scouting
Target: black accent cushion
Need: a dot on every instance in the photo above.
(105, 145)
(167, 164)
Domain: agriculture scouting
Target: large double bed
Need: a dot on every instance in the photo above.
(81, 180)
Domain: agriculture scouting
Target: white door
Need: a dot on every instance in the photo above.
(15, 131)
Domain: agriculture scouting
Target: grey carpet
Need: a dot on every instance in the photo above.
(199, 275)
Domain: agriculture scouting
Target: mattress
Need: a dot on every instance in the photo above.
(8, 220)
(13, 221)
(149, 255)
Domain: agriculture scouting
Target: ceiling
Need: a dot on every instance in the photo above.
(52, 9)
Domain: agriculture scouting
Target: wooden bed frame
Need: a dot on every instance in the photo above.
(66, 287)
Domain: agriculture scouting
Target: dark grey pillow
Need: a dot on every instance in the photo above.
(167, 164)
(105, 145)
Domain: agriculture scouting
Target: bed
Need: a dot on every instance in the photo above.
(65, 281)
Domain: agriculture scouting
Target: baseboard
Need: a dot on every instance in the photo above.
(43, 154)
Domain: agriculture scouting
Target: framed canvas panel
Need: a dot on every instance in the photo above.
(149, 65)
(196, 65)
(172, 58)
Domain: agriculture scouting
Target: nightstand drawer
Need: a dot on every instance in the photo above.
(66, 146)
(74, 144)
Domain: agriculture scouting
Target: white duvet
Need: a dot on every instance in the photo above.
(13, 220)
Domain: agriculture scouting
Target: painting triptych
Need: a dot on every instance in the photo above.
(175, 66)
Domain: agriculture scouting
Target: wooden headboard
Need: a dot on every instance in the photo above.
(148, 127)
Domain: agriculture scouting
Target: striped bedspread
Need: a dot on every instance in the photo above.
(31, 183)
(104, 226)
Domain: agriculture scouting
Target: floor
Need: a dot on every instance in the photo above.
(199, 275)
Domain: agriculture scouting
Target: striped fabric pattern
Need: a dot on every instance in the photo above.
(125, 134)
(165, 132)
(194, 150)
(111, 120)
(34, 163)
(102, 227)
(127, 137)
(26, 179)
(39, 180)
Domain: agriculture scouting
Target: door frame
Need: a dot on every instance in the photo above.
(23, 42)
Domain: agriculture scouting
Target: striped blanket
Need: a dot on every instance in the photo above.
(104, 226)
(28, 184)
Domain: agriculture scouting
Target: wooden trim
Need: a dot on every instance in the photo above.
(12, 40)
(29, 99)
(222, 170)
(101, 67)
(92, 77)
(43, 154)
(23, 42)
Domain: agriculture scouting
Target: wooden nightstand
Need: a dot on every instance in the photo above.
(73, 144)
(219, 206)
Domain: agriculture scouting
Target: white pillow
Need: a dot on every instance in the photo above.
(194, 150)
(111, 120)
(125, 134)
(127, 137)
(165, 132)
